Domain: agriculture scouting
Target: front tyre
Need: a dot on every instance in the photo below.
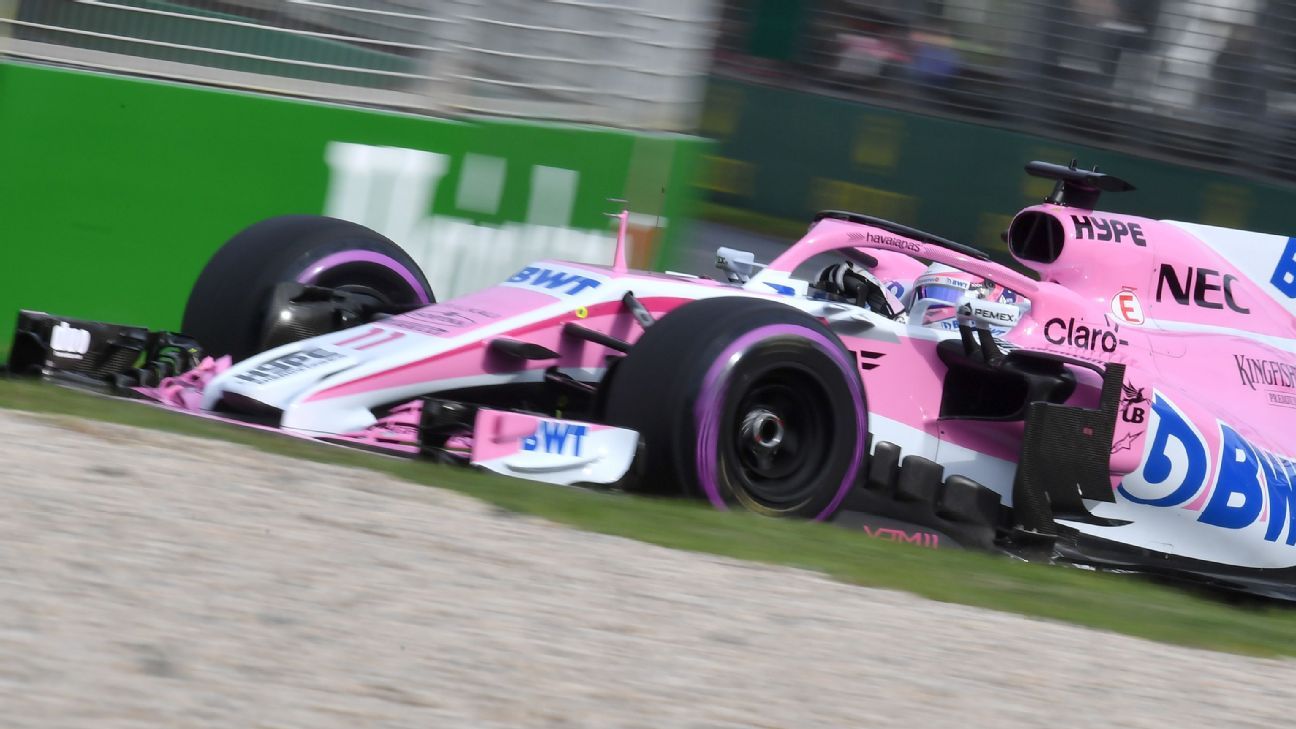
(228, 310)
(744, 402)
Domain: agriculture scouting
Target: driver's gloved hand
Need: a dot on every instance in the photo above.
(833, 280)
(856, 286)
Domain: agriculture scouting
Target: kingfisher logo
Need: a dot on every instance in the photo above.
(553, 436)
(1249, 484)
(68, 341)
(555, 279)
(1266, 372)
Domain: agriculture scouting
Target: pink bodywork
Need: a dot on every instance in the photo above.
(1099, 301)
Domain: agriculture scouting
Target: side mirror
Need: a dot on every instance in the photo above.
(739, 266)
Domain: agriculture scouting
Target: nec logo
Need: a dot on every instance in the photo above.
(553, 436)
(555, 279)
(1096, 228)
(1200, 287)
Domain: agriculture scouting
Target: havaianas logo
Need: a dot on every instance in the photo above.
(1250, 484)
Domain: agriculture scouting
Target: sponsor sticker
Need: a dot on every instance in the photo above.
(1284, 276)
(920, 538)
(555, 436)
(69, 342)
(1203, 288)
(1240, 485)
(1076, 335)
(891, 241)
(1277, 379)
(1126, 307)
(1094, 227)
(439, 320)
(555, 279)
(288, 364)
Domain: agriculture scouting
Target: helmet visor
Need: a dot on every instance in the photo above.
(940, 292)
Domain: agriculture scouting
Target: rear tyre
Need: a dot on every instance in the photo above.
(229, 303)
(744, 402)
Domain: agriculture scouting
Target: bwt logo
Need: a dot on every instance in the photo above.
(557, 280)
(553, 436)
(1177, 467)
(1284, 276)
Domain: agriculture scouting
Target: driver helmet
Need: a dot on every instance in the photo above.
(937, 293)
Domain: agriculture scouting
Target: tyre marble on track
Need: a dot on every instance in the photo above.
(148, 579)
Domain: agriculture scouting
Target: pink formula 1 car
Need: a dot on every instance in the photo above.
(1133, 409)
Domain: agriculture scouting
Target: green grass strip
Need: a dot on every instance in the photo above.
(1120, 603)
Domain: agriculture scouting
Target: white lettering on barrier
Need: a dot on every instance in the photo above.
(390, 189)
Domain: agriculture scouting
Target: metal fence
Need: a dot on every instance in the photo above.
(639, 63)
(1207, 82)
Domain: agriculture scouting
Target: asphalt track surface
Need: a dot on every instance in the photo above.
(152, 580)
(698, 255)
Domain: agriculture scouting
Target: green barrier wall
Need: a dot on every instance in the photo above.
(115, 191)
(787, 154)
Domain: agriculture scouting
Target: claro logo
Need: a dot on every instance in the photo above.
(1069, 333)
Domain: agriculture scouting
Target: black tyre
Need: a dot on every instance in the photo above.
(228, 304)
(744, 402)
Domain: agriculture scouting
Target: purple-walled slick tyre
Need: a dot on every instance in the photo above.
(744, 402)
(229, 302)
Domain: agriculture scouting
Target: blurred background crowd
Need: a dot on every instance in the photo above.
(1204, 80)
(1206, 83)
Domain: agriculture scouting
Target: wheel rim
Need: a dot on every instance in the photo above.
(714, 413)
(779, 437)
(367, 272)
